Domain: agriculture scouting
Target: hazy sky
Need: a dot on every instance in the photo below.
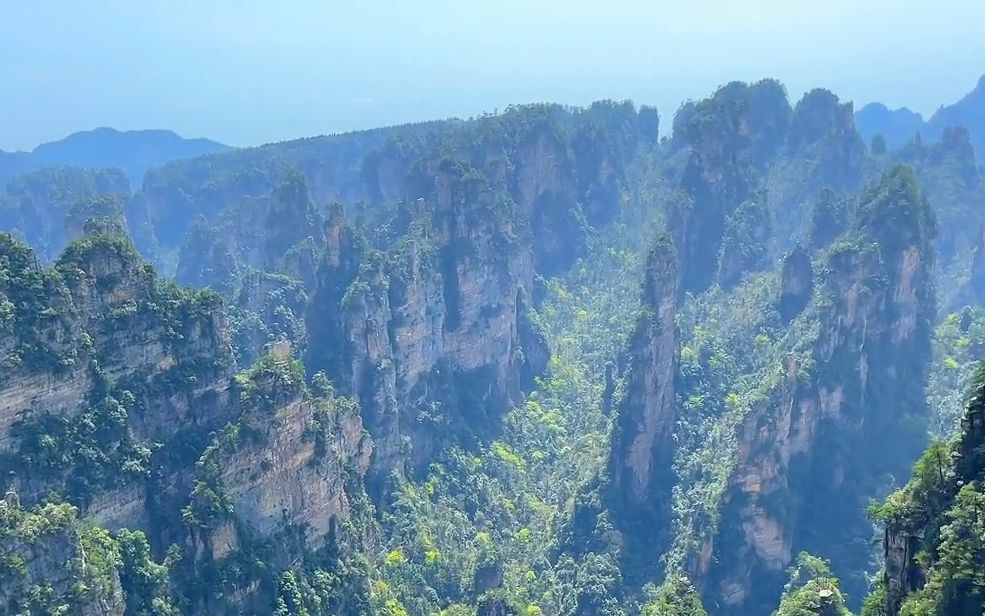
(247, 72)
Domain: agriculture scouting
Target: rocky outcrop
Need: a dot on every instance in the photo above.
(718, 177)
(120, 393)
(640, 468)
(796, 283)
(642, 450)
(829, 219)
(270, 233)
(422, 314)
(917, 515)
(43, 206)
(823, 152)
(895, 126)
(815, 450)
(439, 318)
(744, 246)
(902, 575)
(978, 268)
(52, 564)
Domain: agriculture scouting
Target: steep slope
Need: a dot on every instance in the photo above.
(933, 542)
(51, 563)
(441, 320)
(811, 451)
(119, 392)
(751, 164)
(640, 465)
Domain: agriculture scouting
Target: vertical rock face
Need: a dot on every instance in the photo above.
(118, 382)
(293, 460)
(955, 150)
(829, 219)
(823, 129)
(207, 259)
(823, 152)
(431, 330)
(817, 449)
(642, 451)
(949, 173)
(922, 523)
(796, 283)
(96, 320)
(718, 177)
(901, 574)
(731, 139)
(744, 246)
(290, 219)
(640, 467)
(978, 268)
(436, 324)
(279, 232)
(60, 564)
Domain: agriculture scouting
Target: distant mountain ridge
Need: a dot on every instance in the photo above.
(898, 126)
(133, 151)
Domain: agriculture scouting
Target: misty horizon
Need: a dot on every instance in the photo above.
(246, 74)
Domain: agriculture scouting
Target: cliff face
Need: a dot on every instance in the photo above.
(119, 392)
(642, 448)
(751, 164)
(640, 467)
(97, 321)
(823, 152)
(271, 233)
(815, 450)
(423, 313)
(718, 176)
(52, 564)
(436, 324)
(796, 283)
(932, 552)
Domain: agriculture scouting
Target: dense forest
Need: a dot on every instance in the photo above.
(544, 361)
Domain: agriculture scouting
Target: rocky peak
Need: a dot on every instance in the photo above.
(769, 118)
(207, 258)
(718, 177)
(818, 116)
(796, 283)
(53, 204)
(97, 215)
(640, 463)
(823, 128)
(56, 561)
(821, 433)
(291, 218)
(955, 149)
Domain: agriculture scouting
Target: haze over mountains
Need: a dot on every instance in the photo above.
(549, 361)
(133, 151)
(899, 126)
(136, 151)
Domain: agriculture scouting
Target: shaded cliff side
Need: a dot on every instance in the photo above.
(640, 472)
(814, 450)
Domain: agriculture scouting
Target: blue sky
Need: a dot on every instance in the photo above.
(247, 72)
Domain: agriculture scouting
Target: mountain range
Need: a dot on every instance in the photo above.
(133, 151)
(539, 362)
